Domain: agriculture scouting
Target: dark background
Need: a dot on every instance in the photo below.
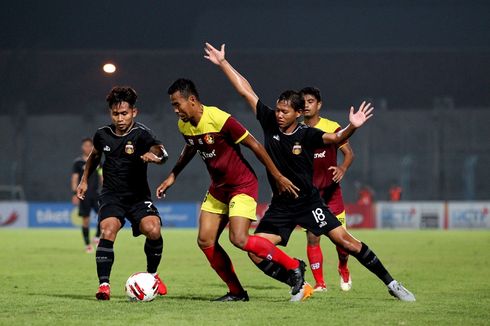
(424, 64)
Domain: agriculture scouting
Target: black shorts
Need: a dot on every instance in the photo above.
(311, 214)
(127, 207)
(87, 205)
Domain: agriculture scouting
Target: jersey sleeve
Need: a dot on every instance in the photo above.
(149, 139)
(313, 138)
(98, 141)
(265, 115)
(236, 131)
(75, 168)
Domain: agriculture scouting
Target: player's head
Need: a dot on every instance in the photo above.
(87, 146)
(121, 101)
(313, 101)
(184, 98)
(289, 107)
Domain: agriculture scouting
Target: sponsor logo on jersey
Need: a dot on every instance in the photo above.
(107, 148)
(297, 149)
(129, 149)
(209, 139)
(276, 137)
(199, 140)
(207, 155)
(191, 141)
(320, 155)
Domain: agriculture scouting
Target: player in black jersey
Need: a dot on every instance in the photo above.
(128, 147)
(90, 201)
(291, 146)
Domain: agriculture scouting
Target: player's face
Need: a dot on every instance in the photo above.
(182, 106)
(286, 116)
(123, 115)
(312, 106)
(87, 147)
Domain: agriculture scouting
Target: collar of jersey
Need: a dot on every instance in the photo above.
(135, 126)
(294, 131)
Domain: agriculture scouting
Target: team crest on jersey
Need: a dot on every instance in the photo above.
(297, 149)
(129, 149)
(209, 139)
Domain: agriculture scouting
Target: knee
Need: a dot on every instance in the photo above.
(238, 240)
(350, 245)
(108, 232)
(152, 231)
(312, 239)
(204, 242)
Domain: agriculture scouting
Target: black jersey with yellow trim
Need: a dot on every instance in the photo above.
(124, 172)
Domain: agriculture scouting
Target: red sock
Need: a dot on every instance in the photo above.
(265, 249)
(315, 257)
(343, 257)
(221, 263)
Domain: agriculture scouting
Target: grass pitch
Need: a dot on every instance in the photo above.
(46, 278)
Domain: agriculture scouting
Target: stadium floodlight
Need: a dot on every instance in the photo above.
(109, 68)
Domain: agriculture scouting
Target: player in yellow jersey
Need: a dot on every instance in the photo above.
(326, 177)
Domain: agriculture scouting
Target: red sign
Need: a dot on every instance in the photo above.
(360, 216)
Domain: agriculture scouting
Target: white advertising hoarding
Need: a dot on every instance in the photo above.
(13, 214)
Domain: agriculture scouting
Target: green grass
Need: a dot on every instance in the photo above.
(46, 278)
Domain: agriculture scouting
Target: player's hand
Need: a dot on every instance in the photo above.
(74, 200)
(338, 173)
(81, 190)
(285, 185)
(150, 157)
(163, 187)
(362, 115)
(214, 55)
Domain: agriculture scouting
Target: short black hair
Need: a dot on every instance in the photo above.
(119, 94)
(294, 98)
(87, 139)
(313, 91)
(186, 87)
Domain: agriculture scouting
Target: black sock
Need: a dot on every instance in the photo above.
(274, 270)
(369, 260)
(104, 258)
(153, 251)
(85, 235)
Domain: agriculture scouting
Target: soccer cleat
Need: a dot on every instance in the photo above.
(297, 277)
(397, 290)
(320, 287)
(345, 279)
(89, 249)
(303, 294)
(162, 288)
(104, 292)
(233, 297)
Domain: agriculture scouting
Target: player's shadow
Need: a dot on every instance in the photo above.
(85, 297)
(191, 298)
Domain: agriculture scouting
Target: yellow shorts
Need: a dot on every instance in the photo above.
(240, 205)
(341, 218)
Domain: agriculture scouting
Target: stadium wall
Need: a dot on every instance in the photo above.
(381, 215)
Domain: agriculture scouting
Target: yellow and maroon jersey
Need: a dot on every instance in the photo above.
(217, 139)
(322, 177)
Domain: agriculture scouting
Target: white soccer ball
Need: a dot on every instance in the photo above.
(141, 287)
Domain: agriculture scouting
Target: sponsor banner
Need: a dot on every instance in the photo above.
(469, 215)
(13, 214)
(360, 216)
(410, 215)
(179, 215)
(56, 214)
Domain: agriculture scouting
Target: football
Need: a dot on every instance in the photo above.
(141, 287)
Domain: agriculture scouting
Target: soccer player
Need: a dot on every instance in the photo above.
(232, 195)
(291, 146)
(90, 201)
(326, 177)
(128, 147)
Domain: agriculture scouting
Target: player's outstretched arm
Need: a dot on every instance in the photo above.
(283, 183)
(157, 154)
(339, 171)
(91, 165)
(242, 85)
(356, 120)
(185, 157)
